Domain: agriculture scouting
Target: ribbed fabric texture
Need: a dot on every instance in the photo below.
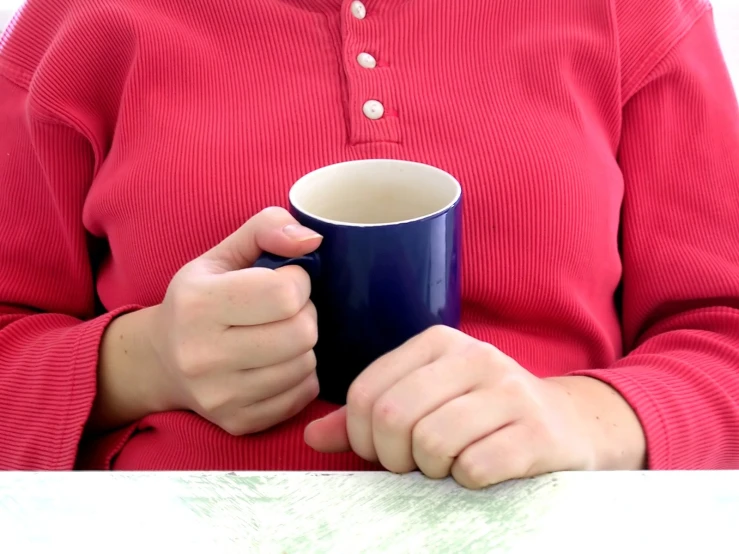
(597, 144)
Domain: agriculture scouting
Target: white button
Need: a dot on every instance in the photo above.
(373, 109)
(366, 60)
(358, 10)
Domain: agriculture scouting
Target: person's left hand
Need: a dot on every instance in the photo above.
(445, 403)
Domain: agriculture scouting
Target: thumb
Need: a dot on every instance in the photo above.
(329, 433)
(272, 230)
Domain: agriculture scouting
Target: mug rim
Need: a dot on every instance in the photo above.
(448, 206)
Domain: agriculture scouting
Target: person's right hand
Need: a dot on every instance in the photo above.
(235, 343)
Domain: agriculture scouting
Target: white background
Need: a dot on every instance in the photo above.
(726, 14)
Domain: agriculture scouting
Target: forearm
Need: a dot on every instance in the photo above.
(130, 383)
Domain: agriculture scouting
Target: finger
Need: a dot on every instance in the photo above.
(268, 413)
(328, 434)
(442, 435)
(509, 453)
(381, 375)
(256, 296)
(266, 382)
(266, 345)
(408, 401)
(226, 392)
(271, 230)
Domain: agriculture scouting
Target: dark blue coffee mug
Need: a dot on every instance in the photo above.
(389, 264)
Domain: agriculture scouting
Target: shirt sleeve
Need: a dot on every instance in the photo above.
(49, 335)
(679, 156)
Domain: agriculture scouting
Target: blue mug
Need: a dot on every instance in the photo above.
(389, 264)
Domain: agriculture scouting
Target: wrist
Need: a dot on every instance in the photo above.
(608, 423)
(161, 393)
(131, 381)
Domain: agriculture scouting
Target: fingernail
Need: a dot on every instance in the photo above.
(300, 233)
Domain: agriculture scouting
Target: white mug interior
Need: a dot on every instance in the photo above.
(375, 192)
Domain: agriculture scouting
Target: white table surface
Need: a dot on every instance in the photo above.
(593, 513)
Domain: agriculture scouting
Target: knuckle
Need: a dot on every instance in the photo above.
(273, 213)
(440, 334)
(359, 398)
(235, 427)
(270, 218)
(305, 328)
(388, 415)
(515, 386)
(478, 351)
(213, 401)
(469, 472)
(480, 358)
(310, 359)
(520, 467)
(188, 304)
(288, 301)
(429, 443)
(191, 361)
(245, 421)
(309, 393)
(185, 299)
(307, 363)
(303, 395)
(401, 466)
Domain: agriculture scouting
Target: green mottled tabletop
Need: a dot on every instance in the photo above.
(367, 512)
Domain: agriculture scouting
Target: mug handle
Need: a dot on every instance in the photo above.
(311, 263)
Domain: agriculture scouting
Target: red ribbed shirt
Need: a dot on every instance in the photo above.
(597, 142)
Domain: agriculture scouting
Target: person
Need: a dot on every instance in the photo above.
(146, 152)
